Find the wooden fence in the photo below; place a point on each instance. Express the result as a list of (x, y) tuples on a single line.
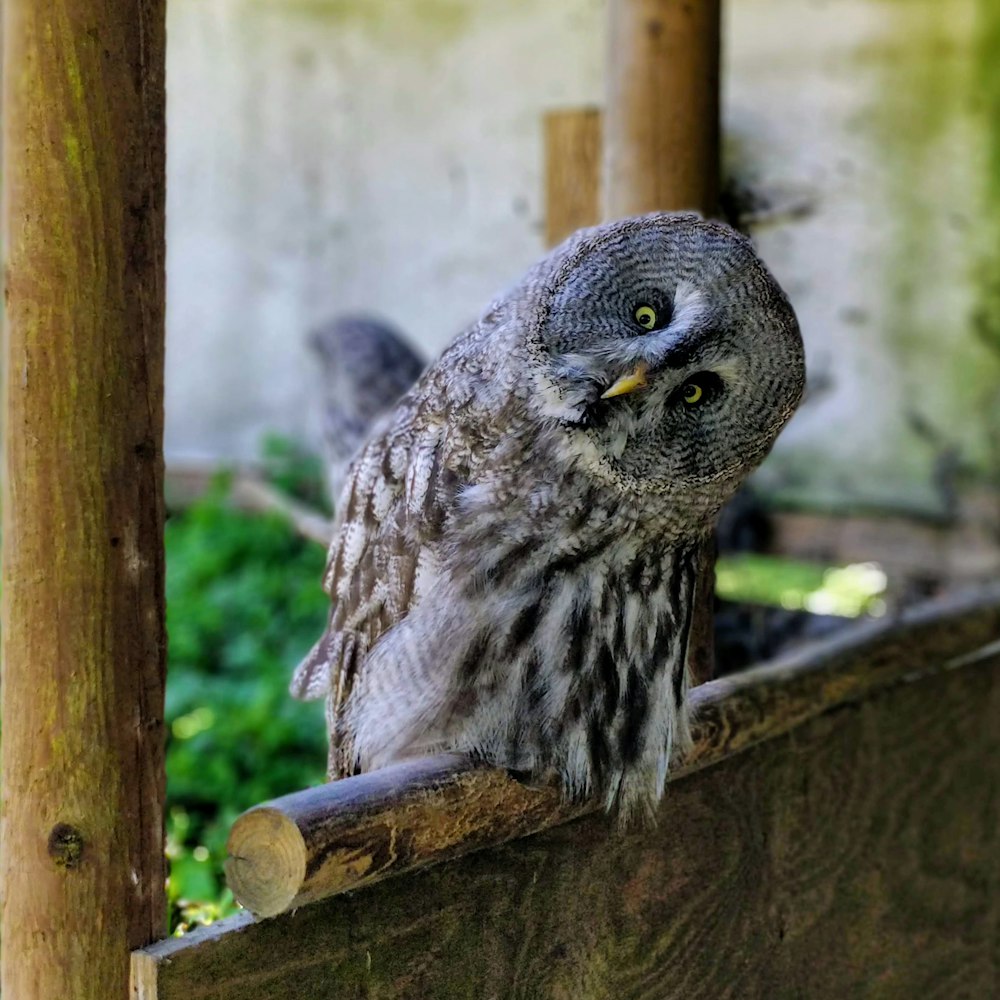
[(836, 833)]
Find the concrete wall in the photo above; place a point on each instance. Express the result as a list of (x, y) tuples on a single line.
[(385, 155)]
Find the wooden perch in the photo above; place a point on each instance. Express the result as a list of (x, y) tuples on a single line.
[(353, 832), (256, 496)]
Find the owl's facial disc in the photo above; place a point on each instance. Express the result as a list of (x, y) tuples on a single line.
[(673, 350)]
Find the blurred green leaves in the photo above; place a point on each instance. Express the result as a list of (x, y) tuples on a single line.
[(244, 604), (847, 591)]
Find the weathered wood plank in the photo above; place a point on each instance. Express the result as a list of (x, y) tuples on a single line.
[(83, 640), (308, 845), (858, 854)]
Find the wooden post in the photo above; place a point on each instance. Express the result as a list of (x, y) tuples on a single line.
[(572, 172), (83, 644), (662, 115), (661, 152)]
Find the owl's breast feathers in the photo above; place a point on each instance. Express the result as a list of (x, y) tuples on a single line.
[(556, 631)]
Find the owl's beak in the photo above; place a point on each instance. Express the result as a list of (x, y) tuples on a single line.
[(628, 383)]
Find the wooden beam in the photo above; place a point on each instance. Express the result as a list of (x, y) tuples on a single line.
[(356, 831), (662, 116), (573, 151), (859, 847), (83, 619)]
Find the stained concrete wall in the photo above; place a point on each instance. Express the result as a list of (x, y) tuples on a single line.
[(385, 155)]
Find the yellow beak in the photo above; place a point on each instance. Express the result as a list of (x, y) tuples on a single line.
[(628, 383)]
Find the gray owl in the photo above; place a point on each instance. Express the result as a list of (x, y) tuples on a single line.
[(366, 366), (514, 555)]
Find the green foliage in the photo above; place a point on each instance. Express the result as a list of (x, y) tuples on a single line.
[(848, 591), (244, 603), (295, 470)]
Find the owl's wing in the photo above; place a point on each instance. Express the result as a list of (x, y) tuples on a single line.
[(398, 495)]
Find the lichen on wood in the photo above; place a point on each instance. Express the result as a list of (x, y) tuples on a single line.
[(83, 638)]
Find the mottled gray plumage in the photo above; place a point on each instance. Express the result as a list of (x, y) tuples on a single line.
[(513, 562), (366, 366)]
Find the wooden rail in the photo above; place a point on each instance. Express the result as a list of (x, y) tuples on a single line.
[(872, 771)]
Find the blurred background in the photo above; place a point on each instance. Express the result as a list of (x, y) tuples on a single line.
[(390, 157), (387, 156)]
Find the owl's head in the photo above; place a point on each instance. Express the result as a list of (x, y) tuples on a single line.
[(665, 345)]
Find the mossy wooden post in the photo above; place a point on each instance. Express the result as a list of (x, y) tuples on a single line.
[(661, 152), (83, 613)]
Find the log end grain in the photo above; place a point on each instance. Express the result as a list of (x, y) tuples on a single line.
[(267, 860)]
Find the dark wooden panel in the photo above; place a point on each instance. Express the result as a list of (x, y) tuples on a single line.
[(854, 856)]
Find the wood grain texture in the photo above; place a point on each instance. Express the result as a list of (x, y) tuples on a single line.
[(661, 128), (356, 831), (348, 833), (857, 855), (83, 627), (573, 155)]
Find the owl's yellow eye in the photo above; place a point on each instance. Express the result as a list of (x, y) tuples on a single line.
[(645, 316), (692, 393)]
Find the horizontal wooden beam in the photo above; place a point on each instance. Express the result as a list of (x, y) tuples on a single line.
[(350, 833), (906, 547)]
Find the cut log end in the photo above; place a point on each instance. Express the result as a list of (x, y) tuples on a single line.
[(267, 861)]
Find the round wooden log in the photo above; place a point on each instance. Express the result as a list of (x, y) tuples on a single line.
[(352, 832), (348, 833), (661, 127), (83, 644)]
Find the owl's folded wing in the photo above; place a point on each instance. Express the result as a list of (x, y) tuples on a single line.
[(399, 492)]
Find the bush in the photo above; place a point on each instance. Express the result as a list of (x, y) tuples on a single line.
[(244, 604)]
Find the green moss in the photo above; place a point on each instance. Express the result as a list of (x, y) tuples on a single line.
[(935, 109), (443, 18), (72, 147), (987, 89)]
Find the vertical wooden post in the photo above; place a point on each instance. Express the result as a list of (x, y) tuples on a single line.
[(572, 172), (662, 115), (661, 151), (83, 644)]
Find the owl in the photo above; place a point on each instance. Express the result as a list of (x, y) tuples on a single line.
[(514, 556), (366, 367)]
